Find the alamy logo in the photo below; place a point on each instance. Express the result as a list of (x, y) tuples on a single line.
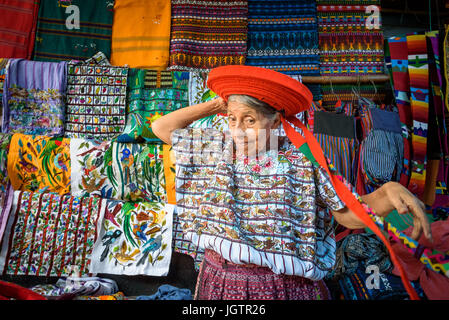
[(373, 20), (373, 280), (73, 20)]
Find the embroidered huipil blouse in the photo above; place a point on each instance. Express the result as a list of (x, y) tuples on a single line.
[(270, 211)]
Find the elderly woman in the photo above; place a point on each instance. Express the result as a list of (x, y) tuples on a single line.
[(258, 205)]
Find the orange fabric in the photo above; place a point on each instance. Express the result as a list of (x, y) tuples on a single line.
[(141, 34), (169, 172), (290, 96)]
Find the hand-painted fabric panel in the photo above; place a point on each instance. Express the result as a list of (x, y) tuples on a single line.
[(50, 235), (135, 239), (39, 163)]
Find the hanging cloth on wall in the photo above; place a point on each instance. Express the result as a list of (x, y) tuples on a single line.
[(418, 70), (96, 100), (73, 30), (18, 28), (39, 163), (207, 34), (141, 34), (50, 235), (34, 97)]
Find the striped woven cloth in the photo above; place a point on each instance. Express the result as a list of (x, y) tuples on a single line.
[(348, 43), (207, 34), (17, 28), (283, 36), (58, 37)]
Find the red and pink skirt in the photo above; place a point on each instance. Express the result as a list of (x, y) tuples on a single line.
[(219, 279)]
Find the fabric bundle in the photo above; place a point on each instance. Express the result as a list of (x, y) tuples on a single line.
[(39, 163), (207, 34), (50, 234), (141, 34), (136, 238), (34, 97), (117, 170), (18, 28), (152, 94), (283, 36), (96, 101), (73, 30)]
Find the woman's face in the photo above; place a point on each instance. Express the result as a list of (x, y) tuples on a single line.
[(250, 129)]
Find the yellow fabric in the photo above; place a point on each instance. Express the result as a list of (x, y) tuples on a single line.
[(39, 162), (141, 33), (169, 172)]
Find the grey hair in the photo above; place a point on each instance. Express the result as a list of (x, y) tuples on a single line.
[(262, 107)]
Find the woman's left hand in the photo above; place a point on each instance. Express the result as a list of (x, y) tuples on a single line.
[(401, 199)]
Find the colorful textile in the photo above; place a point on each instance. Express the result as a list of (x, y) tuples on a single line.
[(3, 70), (169, 172), (135, 239), (18, 28), (388, 287), (199, 93), (117, 170), (50, 235), (207, 34), (348, 43), (34, 97), (39, 163), (12, 291), (418, 70), (266, 212), (73, 30), (141, 34), (401, 82), (96, 101), (116, 296), (6, 191), (152, 94), (221, 280), (283, 36)]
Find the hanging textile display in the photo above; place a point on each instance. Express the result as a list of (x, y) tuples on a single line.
[(141, 34), (152, 94), (401, 83), (283, 36), (207, 34), (117, 170), (6, 191), (135, 239), (50, 235), (39, 163), (349, 44), (34, 97), (73, 30), (418, 70), (18, 28), (96, 101)]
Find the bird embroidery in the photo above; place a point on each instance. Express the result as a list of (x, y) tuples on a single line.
[(111, 215), (108, 239), (122, 257)]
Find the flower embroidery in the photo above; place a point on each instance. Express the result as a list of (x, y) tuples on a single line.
[(287, 155)]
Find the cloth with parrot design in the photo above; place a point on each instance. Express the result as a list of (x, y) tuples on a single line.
[(135, 239), (120, 171), (39, 163), (199, 93), (50, 235), (270, 211), (96, 100), (34, 97), (152, 94)]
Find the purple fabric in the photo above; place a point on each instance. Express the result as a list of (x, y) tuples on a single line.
[(44, 88)]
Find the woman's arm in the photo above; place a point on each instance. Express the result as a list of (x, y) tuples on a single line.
[(390, 196), (181, 118)]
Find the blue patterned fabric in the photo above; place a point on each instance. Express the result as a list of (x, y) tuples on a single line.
[(283, 36)]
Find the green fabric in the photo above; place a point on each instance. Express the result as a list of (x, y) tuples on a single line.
[(55, 42), (147, 101)]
